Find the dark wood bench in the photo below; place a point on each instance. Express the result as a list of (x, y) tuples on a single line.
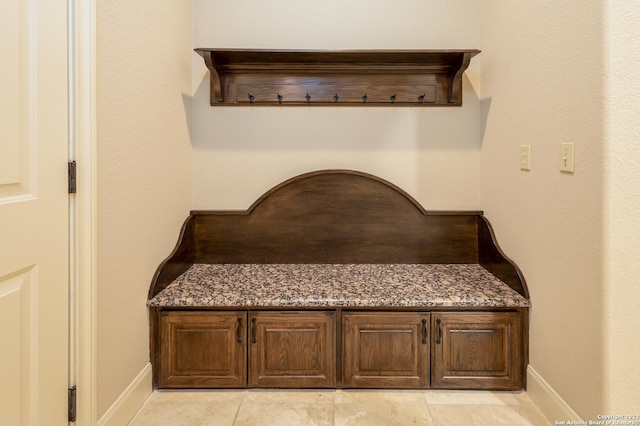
[(338, 279)]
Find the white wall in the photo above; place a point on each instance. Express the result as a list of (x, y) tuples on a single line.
[(546, 79), (622, 208), (144, 171), (432, 153)]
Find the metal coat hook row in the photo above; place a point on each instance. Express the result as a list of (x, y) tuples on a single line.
[(365, 98)]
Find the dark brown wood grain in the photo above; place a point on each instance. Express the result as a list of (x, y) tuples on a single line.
[(201, 349), (292, 349), (493, 259), (182, 257), (477, 350), (347, 77), (337, 216), (386, 349)]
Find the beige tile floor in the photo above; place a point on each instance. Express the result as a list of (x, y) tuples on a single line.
[(338, 407)]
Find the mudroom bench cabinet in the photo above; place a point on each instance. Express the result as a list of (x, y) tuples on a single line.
[(338, 279)]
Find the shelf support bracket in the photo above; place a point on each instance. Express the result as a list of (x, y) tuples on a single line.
[(216, 78), (454, 77)]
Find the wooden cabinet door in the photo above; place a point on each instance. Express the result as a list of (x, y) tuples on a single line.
[(386, 349), (477, 350), (292, 349), (201, 350)]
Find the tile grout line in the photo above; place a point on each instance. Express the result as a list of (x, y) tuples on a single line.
[(235, 417)]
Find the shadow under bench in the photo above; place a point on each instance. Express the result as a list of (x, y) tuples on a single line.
[(338, 279)]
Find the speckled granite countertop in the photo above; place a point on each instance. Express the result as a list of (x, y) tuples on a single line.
[(351, 285)]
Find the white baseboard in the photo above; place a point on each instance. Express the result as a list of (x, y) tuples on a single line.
[(126, 406), (547, 399)]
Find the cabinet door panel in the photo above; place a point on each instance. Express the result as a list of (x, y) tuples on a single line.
[(292, 349), (202, 349), (385, 349), (480, 350)]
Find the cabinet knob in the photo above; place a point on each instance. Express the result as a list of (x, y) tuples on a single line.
[(424, 331), (439, 333)]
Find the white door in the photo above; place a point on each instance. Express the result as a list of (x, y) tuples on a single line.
[(34, 224)]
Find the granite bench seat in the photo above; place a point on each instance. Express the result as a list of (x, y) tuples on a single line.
[(338, 285), (338, 279)]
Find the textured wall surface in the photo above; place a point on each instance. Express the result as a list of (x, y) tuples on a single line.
[(144, 171), (622, 209), (239, 153), (552, 72), (562, 74)]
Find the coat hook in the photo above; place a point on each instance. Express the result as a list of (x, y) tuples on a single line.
[(251, 98), (308, 98), (393, 98), (336, 97), (364, 98), (280, 98), (421, 98)]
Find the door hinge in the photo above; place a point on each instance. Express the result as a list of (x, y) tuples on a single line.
[(72, 177), (72, 404)]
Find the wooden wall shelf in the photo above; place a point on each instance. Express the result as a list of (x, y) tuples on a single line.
[(346, 77)]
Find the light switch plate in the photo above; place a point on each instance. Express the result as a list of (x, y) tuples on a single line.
[(525, 157), (566, 157)]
